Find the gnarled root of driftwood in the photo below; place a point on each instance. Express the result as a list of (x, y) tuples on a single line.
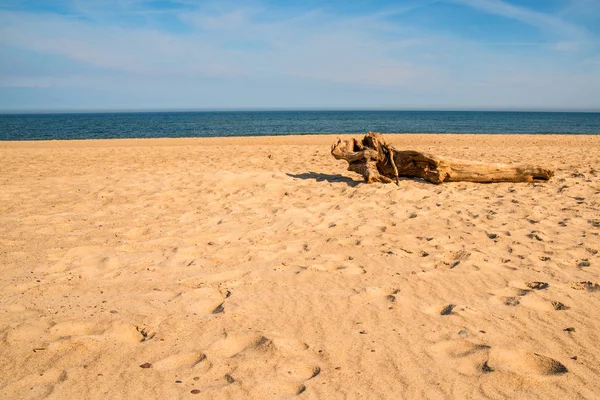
[(377, 161)]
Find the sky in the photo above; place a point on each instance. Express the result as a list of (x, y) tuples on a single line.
[(63, 55)]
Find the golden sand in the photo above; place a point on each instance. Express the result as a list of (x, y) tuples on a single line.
[(259, 268)]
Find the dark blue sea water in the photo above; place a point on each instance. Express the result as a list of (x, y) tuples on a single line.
[(257, 123)]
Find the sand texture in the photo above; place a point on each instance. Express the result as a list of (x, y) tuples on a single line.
[(262, 269)]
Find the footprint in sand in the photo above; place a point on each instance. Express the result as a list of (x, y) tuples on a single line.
[(585, 285), (525, 363), (201, 301), (266, 363), (233, 278), (233, 344), (454, 258), (291, 268), (127, 333), (528, 294), (298, 370), (351, 269), (335, 263), (183, 258), (118, 331), (470, 358), (194, 359), (509, 296), (378, 296), (466, 358), (74, 328), (38, 385), (539, 303), (90, 262)]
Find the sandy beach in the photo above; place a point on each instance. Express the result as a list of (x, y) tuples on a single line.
[(259, 268)]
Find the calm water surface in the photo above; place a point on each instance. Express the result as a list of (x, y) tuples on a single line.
[(258, 123)]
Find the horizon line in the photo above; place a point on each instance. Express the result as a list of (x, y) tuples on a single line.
[(283, 109)]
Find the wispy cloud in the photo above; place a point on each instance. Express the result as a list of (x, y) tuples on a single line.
[(236, 55), (297, 46), (543, 21)]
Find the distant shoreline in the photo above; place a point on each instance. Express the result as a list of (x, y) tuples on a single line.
[(293, 139), (413, 140)]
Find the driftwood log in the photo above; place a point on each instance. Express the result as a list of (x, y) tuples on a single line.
[(378, 161)]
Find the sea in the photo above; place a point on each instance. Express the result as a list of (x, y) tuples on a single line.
[(117, 125)]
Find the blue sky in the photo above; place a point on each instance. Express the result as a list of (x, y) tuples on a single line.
[(413, 54)]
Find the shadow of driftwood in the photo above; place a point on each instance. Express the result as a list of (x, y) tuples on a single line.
[(319, 177)]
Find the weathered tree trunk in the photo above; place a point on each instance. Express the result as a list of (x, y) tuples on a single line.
[(377, 161)]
